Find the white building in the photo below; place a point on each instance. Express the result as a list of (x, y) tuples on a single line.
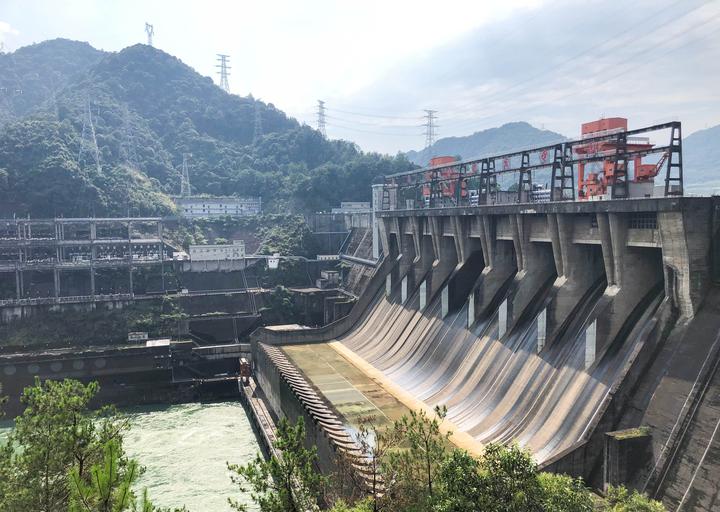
[(207, 207), (215, 252), (352, 207)]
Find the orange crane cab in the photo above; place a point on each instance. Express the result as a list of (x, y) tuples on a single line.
[(595, 184), (441, 160), (447, 176)]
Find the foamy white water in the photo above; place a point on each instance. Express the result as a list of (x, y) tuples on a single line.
[(185, 449)]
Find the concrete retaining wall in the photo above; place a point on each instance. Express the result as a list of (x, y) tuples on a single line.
[(291, 396)]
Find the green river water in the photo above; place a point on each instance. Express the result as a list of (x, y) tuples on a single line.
[(184, 449)]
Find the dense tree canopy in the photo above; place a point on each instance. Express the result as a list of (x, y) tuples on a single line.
[(420, 471), (147, 110)]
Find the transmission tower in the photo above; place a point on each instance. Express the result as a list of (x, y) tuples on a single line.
[(150, 31), (185, 178), (321, 118), (430, 127), (224, 71), (258, 132), (88, 141)]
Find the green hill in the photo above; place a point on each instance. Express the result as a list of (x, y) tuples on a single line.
[(148, 109), (493, 141), (701, 154), (31, 75)]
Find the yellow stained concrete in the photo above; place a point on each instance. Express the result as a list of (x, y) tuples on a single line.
[(347, 388), (460, 439), (356, 389)]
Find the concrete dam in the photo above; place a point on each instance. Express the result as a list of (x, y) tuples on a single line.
[(583, 328)]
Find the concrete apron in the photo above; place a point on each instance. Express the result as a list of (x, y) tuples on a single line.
[(460, 439)]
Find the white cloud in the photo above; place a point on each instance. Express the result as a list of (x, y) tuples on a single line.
[(5, 30), (479, 62), (524, 69)]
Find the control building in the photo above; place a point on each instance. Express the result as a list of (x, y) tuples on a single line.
[(353, 207), (218, 252), (201, 207)]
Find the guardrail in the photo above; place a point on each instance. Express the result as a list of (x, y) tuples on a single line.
[(488, 180), (38, 301)]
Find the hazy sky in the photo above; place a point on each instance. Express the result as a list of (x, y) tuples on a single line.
[(378, 64)]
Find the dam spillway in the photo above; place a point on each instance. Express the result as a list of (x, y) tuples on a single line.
[(531, 323), (547, 323)]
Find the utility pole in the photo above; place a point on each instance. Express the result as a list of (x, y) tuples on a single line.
[(321, 118), (150, 31), (185, 178), (258, 132), (430, 127), (224, 71)]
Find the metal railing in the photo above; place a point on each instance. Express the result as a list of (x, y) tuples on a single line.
[(480, 181)]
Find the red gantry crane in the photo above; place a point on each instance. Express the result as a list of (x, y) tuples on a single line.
[(595, 184)]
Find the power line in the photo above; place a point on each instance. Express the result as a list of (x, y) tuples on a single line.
[(389, 134), (150, 31), (258, 131), (616, 40), (632, 67), (321, 119), (87, 138), (521, 87), (185, 177), (382, 125), (128, 145), (619, 72), (379, 116), (224, 71), (631, 35)]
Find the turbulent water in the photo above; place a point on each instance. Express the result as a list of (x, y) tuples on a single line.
[(184, 449)]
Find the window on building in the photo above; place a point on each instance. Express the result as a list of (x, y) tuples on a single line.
[(643, 220)]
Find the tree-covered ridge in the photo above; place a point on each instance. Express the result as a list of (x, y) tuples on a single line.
[(31, 76), (492, 141), (148, 109)]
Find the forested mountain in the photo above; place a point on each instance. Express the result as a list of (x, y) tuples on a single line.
[(147, 110), (506, 138), (33, 74), (701, 154)]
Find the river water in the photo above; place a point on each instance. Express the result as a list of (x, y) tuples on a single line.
[(184, 449)]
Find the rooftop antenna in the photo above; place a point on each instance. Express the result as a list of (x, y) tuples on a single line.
[(150, 31), (185, 177), (258, 132), (224, 71), (321, 120)]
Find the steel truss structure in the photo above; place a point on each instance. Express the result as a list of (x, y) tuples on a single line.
[(475, 182)]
